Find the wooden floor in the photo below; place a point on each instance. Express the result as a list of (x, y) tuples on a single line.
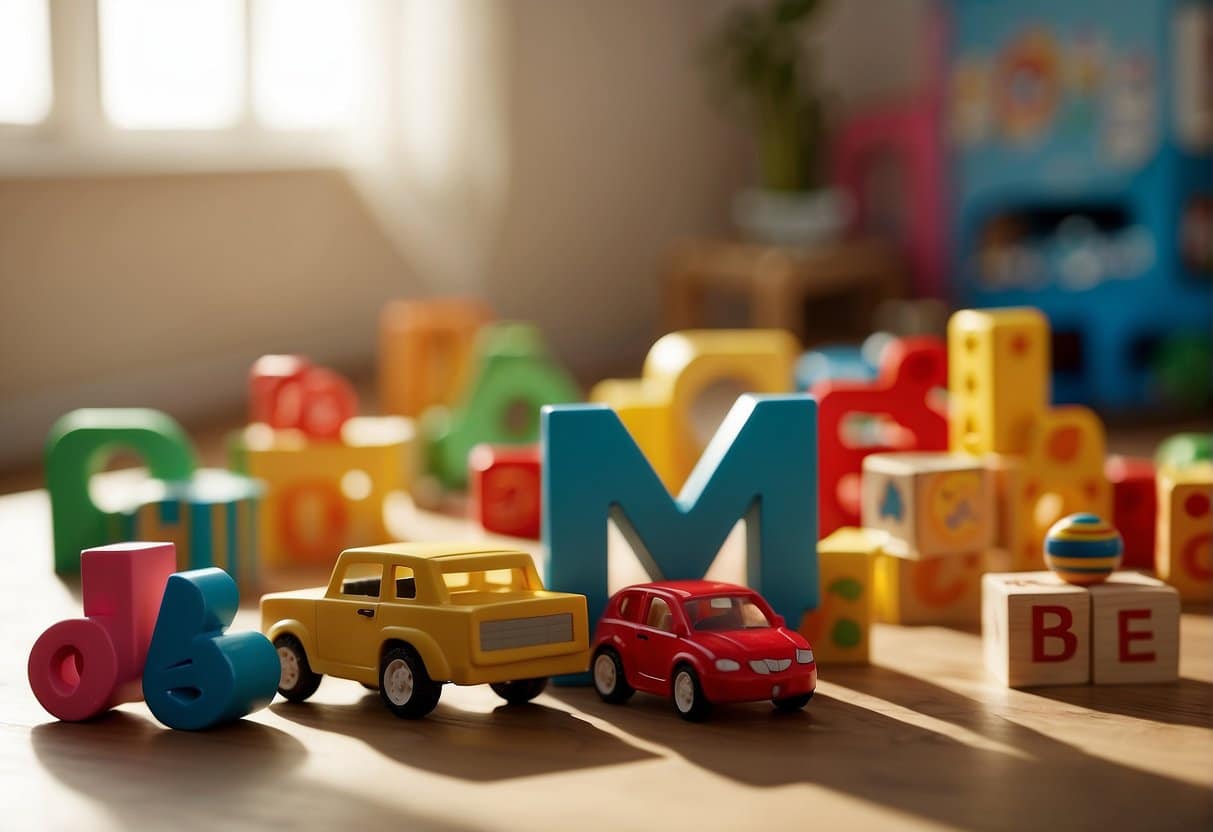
[(921, 739)]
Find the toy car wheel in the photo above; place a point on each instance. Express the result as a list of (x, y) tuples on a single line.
[(792, 703), (609, 678), (297, 681), (520, 691), (687, 695), (405, 686)]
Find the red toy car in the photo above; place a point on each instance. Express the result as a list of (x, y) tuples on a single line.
[(699, 643)]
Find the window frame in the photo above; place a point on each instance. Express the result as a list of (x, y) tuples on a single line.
[(76, 137)]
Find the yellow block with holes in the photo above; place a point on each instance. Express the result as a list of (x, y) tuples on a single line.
[(323, 497), (659, 409), (998, 378), (840, 628), (1184, 551)]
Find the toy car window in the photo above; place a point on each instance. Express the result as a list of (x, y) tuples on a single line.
[(362, 580), (660, 615), (406, 583), (486, 580), (725, 612)]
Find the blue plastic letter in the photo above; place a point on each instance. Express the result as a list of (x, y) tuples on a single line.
[(197, 676), (761, 465)]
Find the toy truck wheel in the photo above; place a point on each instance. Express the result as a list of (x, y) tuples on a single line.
[(297, 681), (520, 691), (687, 695), (404, 684), (609, 679), (792, 703)]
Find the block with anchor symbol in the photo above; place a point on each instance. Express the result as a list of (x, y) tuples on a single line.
[(929, 504)]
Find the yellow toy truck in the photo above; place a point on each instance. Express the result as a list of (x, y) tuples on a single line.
[(405, 618)]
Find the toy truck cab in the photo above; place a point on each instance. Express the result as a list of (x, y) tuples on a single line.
[(406, 618)]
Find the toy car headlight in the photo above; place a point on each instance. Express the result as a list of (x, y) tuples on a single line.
[(727, 664), (804, 656)]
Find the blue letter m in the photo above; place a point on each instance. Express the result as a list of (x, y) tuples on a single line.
[(761, 466)]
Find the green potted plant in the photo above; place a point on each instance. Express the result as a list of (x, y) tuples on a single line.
[(759, 60)]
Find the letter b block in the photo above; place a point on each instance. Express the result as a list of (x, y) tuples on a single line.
[(1036, 629), (196, 674)]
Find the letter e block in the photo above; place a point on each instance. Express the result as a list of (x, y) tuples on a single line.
[(1036, 629), (1134, 630)]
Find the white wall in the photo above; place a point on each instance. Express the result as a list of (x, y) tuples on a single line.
[(159, 290)]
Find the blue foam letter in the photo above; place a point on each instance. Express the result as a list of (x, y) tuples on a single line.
[(197, 676), (760, 465)]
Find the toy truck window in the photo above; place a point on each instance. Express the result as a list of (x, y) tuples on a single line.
[(405, 582), (486, 580), (660, 617), (362, 580)]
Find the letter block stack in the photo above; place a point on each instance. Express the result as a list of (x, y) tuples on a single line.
[(1048, 461), (1038, 630), (936, 511)]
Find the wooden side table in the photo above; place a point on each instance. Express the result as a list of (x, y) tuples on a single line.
[(777, 281)]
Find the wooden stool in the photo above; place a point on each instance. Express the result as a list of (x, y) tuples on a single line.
[(778, 280)]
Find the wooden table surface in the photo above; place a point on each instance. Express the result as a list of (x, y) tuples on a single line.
[(921, 739)]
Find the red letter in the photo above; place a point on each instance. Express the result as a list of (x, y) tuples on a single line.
[(1125, 635), (1060, 630)]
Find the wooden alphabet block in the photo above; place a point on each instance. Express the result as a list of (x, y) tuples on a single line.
[(1134, 507), (513, 376), (902, 406), (322, 497), (1035, 629), (941, 590), (288, 391), (930, 504), (1184, 552), (840, 628), (425, 352), (505, 489), (657, 409), (1134, 630), (211, 518)]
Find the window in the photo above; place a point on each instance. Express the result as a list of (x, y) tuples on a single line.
[(25, 61), (405, 582), (193, 82), (362, 580), (660, 616), (486, 580), (171, 64), (725, 612)]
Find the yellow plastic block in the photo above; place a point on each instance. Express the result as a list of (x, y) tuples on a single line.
[(659, 409), (942, 590), (322, 497), (930, 504), (1061, 474), (425, 351), (840, 629), (998, 378), (1184, 553)]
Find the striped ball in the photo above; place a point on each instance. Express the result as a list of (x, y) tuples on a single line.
[(1082, 549)]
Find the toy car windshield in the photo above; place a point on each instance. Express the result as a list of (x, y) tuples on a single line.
[(725, 612)]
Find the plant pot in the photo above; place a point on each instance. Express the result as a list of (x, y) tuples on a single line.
[(791, 218)]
